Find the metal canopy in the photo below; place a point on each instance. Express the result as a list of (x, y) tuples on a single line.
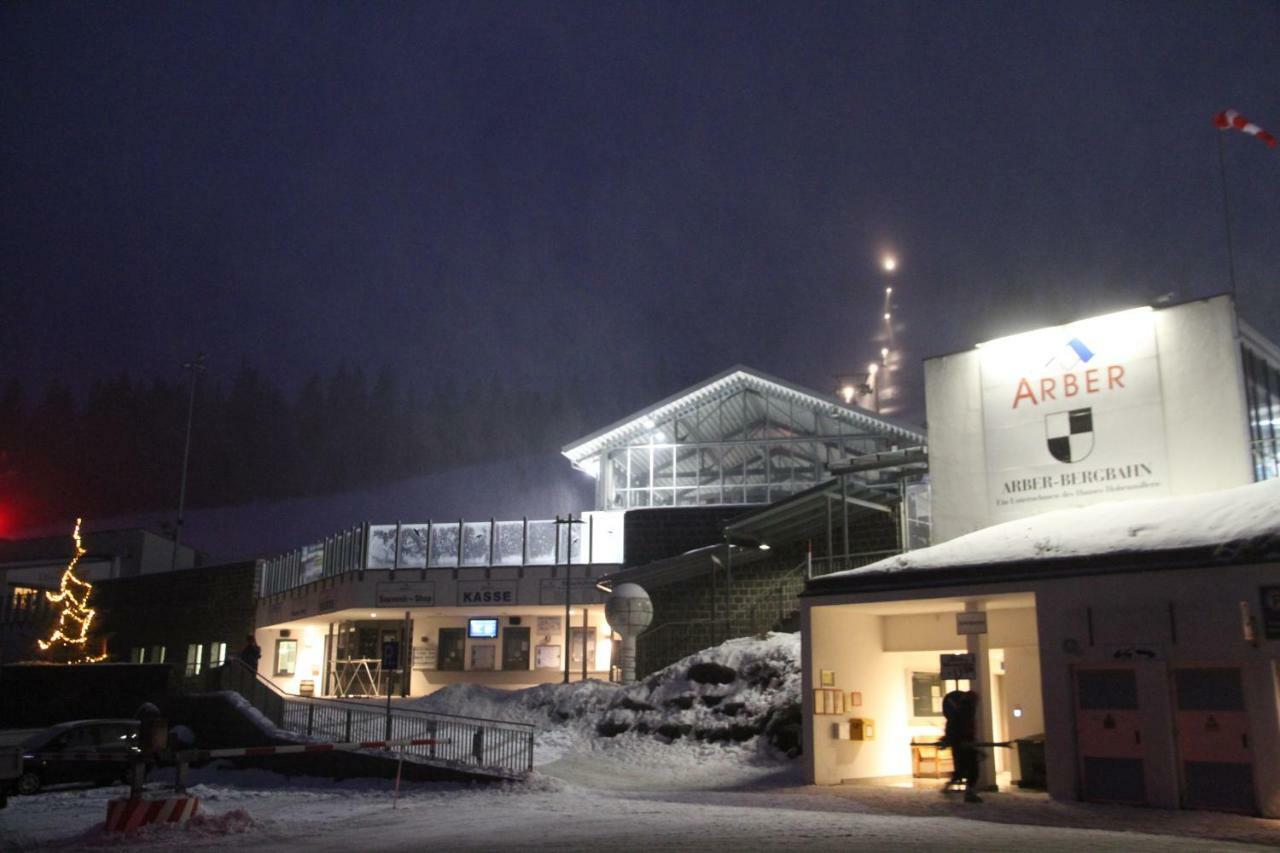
[(805, 516), (691, 564)]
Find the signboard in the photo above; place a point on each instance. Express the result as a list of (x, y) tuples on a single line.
[(581, 591), (424, 657), (1073, 415), (488, 592), (971, 622), (390, 655), (956, 668), (312, 562), (408, 594), (548, 626), (1270, 612)]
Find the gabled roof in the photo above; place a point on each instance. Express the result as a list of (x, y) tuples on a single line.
[(736, 377)]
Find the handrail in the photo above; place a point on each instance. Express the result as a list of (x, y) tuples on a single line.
[(499, 747)]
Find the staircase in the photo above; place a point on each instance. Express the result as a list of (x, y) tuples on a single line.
[(493, 748)]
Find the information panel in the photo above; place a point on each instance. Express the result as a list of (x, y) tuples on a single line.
[(1073, 415)]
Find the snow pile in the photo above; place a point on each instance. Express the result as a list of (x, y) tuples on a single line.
[(734, 692), (1234, 517)]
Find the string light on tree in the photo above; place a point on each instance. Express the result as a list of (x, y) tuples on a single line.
[(72, 631)]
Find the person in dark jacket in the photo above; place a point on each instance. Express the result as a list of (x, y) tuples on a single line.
[(251, 653), (960, 708)]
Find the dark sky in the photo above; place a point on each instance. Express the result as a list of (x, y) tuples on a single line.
[(541, 188)]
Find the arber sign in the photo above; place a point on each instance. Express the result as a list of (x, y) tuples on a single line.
[(1072, 415)]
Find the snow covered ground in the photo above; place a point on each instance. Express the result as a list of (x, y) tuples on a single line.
[(702, 785)]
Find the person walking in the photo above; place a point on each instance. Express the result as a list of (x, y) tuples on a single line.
[(960, 708), (251, 653)]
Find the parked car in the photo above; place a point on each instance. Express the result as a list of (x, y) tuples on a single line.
[(103, 737)]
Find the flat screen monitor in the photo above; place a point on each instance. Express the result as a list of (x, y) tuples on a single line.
[(482, 628)]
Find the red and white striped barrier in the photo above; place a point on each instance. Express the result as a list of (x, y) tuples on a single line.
[(125, 815)]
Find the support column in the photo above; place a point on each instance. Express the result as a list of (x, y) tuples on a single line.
[(979, 645)]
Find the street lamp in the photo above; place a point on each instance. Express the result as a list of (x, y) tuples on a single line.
[(194, 367)]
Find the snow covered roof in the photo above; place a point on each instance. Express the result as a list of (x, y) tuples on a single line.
[(1247, 517), (730, 380)]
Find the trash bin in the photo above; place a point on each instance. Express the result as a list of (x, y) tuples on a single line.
[(1031, 762)]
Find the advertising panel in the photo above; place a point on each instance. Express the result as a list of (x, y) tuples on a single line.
[(1073, 415)]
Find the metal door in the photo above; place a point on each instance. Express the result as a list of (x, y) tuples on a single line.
[(452, 648), (1213, 740), (515, 648), (1109, 735)]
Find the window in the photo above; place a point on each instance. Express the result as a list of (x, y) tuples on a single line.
[(286, 657), (195, 658), (156, 655), (137, 655), (926, 694), (217, 654)]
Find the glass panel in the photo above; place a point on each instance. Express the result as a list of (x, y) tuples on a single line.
[(639, 468), (734, 460), (803, 458), (804, 418), (779, 464), (756, 465), (382, 546), (475, 543), (708, 423), (779, 418), (757, 494), (542, 543), (734, 495), (663, 497), (639, 498), (444, 544), (664, 432), (709, 495), (686, 497), (686, 466), (778, 492), (755, 414), (663, 476), (413, 546), (509, 549), (733, 419), (709, 469)]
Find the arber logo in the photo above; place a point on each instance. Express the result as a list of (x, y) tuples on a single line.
[(1069, 434), (1071, 381)]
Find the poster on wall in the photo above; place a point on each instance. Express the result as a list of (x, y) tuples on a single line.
[(1073, 415), (483, 657), (312, 562), (547, 657), (424, 657), (548, 626)]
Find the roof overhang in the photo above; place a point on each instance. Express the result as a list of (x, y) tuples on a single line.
[(736, 376)]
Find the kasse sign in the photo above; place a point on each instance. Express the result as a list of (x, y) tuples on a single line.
[(1073, 415)]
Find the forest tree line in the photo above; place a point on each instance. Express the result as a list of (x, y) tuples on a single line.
[(117, 447)]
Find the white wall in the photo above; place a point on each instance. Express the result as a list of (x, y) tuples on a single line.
[(1205, 420)]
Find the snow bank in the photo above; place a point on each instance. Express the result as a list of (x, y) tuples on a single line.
[(1246, 513), (734, 692)]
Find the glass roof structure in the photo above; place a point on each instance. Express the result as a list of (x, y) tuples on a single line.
[(741, 437)]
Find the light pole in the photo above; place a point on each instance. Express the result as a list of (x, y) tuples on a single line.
[(568, 588), (194, 367)]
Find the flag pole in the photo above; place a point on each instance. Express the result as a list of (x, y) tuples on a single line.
[(1226, 216)]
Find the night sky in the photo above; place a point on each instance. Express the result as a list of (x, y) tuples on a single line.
[(598, 189)]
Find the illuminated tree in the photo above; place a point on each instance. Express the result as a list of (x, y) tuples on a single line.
[(72, 631)]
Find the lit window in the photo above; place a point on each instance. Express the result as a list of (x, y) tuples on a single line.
[(195, 657), (137, 655), (286, 657), (156, 655), (217, 654)]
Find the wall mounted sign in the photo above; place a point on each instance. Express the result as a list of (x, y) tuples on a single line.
[(1073, 415), (958, 667), (971, 622), (488, 592), (407, 594)]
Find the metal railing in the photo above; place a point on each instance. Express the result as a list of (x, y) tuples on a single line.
[(495, 747), (843, 562)]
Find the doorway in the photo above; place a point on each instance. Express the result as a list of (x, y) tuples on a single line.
[(515, 648), (452, 654), (1109, 735), (1214, 753)]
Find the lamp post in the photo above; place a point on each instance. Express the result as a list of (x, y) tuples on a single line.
[(194, 367), (568, 588)]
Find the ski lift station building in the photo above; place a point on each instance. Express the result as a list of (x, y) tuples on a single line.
[(1105, 573), (518, 602)]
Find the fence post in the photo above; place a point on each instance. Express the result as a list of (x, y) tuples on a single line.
[(347, 739), (311, 715), (529, 763)]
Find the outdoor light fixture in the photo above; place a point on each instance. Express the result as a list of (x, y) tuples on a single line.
[(888, 290), (847, 392), (890, 263), (373, 615), (884, 352), (1017, 710), (763, 546), (886, 315)]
